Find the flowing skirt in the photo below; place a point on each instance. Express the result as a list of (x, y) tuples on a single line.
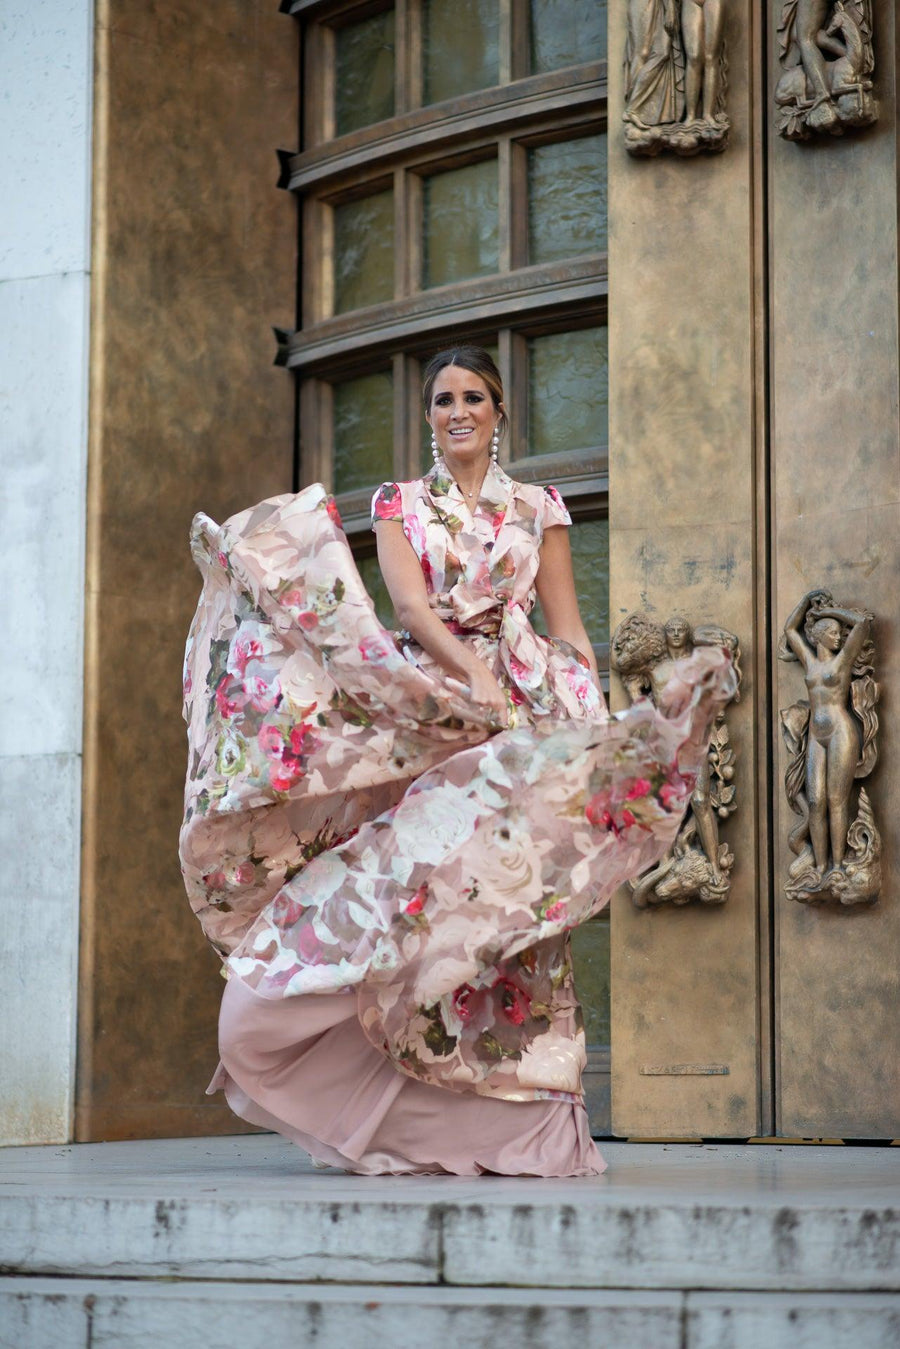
[(303, 1068), (392, 885)]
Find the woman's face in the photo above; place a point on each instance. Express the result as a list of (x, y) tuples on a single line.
[(828, 634), (462, 414)]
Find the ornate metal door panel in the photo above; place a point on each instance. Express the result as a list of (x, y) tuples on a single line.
[(836, 524), (683, 528), (755, 485)]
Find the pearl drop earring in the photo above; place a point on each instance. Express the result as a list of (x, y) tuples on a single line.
[(495, 443), (435, 452)]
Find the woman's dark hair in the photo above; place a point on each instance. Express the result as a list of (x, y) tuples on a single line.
[(474, 359)]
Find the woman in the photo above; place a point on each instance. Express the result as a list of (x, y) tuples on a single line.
[(389, 836), (814, 634)]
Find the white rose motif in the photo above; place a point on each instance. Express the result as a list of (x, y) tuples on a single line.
[(552, 1063), (434, 823)]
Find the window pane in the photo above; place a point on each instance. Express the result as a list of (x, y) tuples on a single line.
[(363, 432), (568, 391), (567, 32), (364, 252), (373, 580), (566, 199), (364, 72), (461, 47), (460, 224), (590, 957), (589, 541)]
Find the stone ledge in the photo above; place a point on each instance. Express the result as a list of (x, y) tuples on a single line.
[(111, 1314), (663, 1217)]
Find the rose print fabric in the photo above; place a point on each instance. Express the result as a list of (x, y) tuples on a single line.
[(352, 826)]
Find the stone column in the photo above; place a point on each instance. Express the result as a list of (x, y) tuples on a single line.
[(45, 130)]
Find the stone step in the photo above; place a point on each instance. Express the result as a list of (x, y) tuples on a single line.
[(121, 1314), (678, 1217)]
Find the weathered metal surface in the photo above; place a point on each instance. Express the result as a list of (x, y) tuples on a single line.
[(193, 254), (835, 485), (683, 500)]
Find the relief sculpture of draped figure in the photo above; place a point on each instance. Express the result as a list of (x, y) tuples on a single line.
[(831, 740), (675, 81), (698, 865)]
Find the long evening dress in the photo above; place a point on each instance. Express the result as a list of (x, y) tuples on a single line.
[(390, 881)]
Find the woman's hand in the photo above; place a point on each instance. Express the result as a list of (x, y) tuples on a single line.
[(484, 691)]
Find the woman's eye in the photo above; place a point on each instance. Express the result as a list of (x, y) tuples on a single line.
[(474, 398)]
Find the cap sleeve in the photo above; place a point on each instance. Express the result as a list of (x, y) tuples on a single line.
[(387, 503), (555, 512)]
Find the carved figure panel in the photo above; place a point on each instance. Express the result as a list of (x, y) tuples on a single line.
[(675, 77), (831, 737), (827, 61), (699, 864)]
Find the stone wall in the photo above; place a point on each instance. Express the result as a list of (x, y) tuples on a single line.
[(45, 131)]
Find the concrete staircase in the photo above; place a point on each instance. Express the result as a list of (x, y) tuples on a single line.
[(237, 1243)]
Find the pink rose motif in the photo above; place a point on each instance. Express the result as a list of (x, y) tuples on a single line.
[(375, 651), (243, 874), (215, 880), (626, 819), (303, 739), (599, 814), (577, 683), (293, 599), (228, 704), (517, 668), (285, 911), (460, 1001), (245, 650), (415, 532), (262, 696), (307, 620), (307, 945), (597, 808), (270, 741), (187, 684), (556, 912), (387, 504), (284, 773), (640, 787), (671, 797), (417, 903), (514, 1001), (334, 514)]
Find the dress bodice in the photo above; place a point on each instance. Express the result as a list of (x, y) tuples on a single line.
[(480, 565)]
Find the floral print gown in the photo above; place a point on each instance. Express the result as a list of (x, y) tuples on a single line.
[(354, 826)]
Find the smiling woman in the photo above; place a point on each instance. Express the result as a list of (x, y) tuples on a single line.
[(390, 836)]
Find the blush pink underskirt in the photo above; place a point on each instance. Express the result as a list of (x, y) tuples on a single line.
[(303, 1067)]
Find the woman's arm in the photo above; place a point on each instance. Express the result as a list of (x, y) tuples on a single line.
[(859, 630), (555, 585), (406, 587), (792, 634)]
